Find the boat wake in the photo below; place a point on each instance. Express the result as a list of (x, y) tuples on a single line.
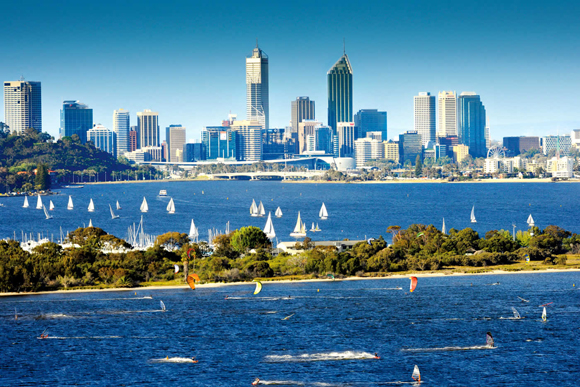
[(326, 356), (172, 360), (79, 337), (52, 315), (473, 348)]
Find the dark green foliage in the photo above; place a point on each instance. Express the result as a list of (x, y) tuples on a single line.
[(42, 180), (247, 238)]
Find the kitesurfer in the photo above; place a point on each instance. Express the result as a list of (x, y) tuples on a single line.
[(193, 360), (256, 382), (226, 296), (377, 356)]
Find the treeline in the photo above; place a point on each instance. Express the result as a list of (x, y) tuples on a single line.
[(96, 258)]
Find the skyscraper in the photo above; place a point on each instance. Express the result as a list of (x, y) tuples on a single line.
[(447, 114), (175, 137), (424, 113), (340, 92), (134, 138), (371, 120), (472, 124), (302, 109), (148, 128), (75, 118), (103, 138), (257, 105), (22, 106), (249, 140), (410, 147), (121, 127), (305, 128), (219, 142), (346, 135)]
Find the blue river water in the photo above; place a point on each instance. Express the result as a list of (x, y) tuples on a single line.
[(123, 339), (355, 210)]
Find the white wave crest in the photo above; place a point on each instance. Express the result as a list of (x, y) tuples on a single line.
[(172, 360)]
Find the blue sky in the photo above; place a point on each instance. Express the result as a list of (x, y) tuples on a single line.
[(186, 59)]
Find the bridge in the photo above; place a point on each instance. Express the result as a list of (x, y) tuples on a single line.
[(267, 175)]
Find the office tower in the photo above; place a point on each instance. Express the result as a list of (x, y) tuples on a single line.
[(175, 137), (424, 113), (164, 155), (575, 138), (391, 150), (23, 106), (447, 114), (518, 145), (367, 149), (323, 139), (302, 109), (122, 126), (460, 152), (560, 144), (449, 143), (340, 92), (346, 134), (440, 151), (274, 144), (257, 105), (487, 137), (305, 128), (103, 138), (133, 139), (193, 152), (371, 120), (410, 147), (249, 140), (219, 142), (75, 118), (152, 153), (472, 123), (148, 128)]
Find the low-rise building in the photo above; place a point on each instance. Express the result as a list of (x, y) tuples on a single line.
[(562, 167), (460, 152)]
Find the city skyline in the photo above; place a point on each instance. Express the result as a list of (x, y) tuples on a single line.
[(506, 56)]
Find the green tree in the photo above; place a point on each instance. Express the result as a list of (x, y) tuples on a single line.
[(42, 180), (247, 238), (172, 240), (418, 166)]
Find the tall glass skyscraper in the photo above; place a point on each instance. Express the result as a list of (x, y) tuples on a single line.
[(22, 106), (257, 99), (219, 142), (340, 92), (121, 127), (472, 123), (75, 118), (371, 120), (302, 109), (103, 138)]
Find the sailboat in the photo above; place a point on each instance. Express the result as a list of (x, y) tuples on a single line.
[(144, 207), (544, 315), (278, 213), (193, 233), (25, 205), (171, 207), (416, 374), (317, 228), (113, 216), (473, 220), (118, 205), (39, 203), (443, 228), (313, 229), (261, 210), (51, 206), (269, 228), (299, 229), (70, 205), (91, 206), (530, 221), (254, 209), (90, 223), (323, 214), (46, 213)]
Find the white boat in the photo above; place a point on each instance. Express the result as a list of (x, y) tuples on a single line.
[(443, 228), (163, 193), (317, 228), (70, 205), (90, 223), (26, 205), (254, 209), (118, 205), (544, 315), (278, 213), (113, 216), (39, 203), (171, 207), (193, 232), (91, 206), (261, 210), (530, 221), (299, 229), (51, 206), (269, 228), (313, 229), (473, 220), (46, 213), (144, 207), (323, 214)]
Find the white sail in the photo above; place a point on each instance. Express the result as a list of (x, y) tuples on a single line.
[(278, 213), (443, 228), (91, 206), (323, 214), (162, 306), (70, 205), (530, 221), (299, 229), (46, 213), (269, 228), (516, 313), (39, 203), (118, 205), (193, 233), (90, 223), (261, 210), (171, 207), (544, 315), (416, 374), (26, 205), (113, 216), (313, 229), (144, 207), (51, 206), (473, 220), (254, 209), (317, 228)]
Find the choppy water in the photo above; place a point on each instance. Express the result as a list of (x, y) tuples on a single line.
[(119, 338), (356, 210)]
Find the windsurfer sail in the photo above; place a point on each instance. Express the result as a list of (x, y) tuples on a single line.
[(176, 269), (258, 287), (416, 374), (544, 315), (287, 317), (489, 340), (163, 306), (523, 299), (516, 314)]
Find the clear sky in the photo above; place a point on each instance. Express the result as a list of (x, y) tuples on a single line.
[(186, 59)]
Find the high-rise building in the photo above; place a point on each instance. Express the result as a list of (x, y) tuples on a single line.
[(133, 138), (273, 144), (472, 123), (449, 143), (487, 137), (560, 144), (367, 149), (305, 128), (391, 150), (424, 114), (75, 118), (257, 100), (302, 109), (323, 139), (219, 142), (122, 126), (22, 106), (148, 128), (375, 135), (460, 152), (371, 120), (175, 137), (340, 92), (518, 145), (193, 152), (575, 137), (103, 138), (447, 114), (346, 136), (410, 147), (249, 140)]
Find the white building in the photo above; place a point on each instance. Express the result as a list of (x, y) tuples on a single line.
[(148, 128), (103, 138), (138, 156), (306, 128), (424, 113), (505, 165), (22, 106), (447, 111), (561, 167), (153, 153), (367, 149), (575, 137), (249, 140), (257, 100), (558, 143), (121, 127)]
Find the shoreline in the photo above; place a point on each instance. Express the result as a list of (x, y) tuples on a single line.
[(226, 284)]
